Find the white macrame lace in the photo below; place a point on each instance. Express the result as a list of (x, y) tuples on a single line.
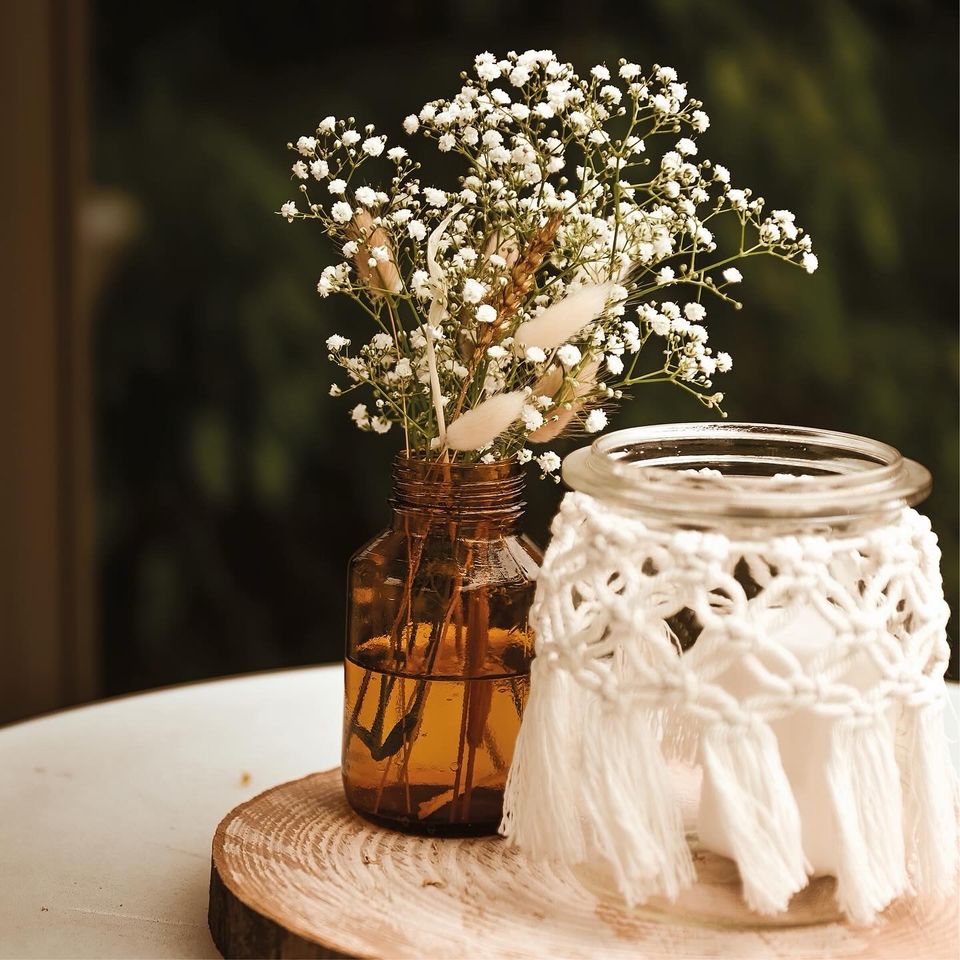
[(842, 636)]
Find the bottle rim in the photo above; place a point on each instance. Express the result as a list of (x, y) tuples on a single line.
[(749, 471), (458, 491)]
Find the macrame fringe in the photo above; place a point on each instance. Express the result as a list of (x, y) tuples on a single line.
[(929, 800), (680, 734), (758, 811), (540, 812), (864, 785), (633, 817)]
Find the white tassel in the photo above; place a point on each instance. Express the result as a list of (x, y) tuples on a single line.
[(757, 810), (864, 785), (929, 800), (557, 324), (540, 811), (486, 421), (632, 814), (680, 734)]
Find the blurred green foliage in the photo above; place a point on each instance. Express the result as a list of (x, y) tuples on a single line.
[(232, 489)]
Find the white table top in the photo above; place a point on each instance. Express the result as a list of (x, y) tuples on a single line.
[(107, 812)]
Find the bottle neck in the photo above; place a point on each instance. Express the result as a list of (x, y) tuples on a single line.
[(477, 496)]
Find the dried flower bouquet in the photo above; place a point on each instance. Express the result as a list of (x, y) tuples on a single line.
[(572, 262)]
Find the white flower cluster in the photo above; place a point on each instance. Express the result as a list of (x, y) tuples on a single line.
[(552, 273)]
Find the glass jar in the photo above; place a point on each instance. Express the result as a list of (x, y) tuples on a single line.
[(762, 602), (439, 649)]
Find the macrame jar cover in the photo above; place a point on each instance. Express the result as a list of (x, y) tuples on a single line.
[(761, 601)]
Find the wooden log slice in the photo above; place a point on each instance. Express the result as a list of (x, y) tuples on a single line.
[(297, 874)]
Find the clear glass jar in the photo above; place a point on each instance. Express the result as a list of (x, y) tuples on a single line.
[(439, 649), (759, 602)]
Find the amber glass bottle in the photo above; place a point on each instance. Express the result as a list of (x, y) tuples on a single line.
[(439, 649)]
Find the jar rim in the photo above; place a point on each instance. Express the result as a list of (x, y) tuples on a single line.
[(750, 471)]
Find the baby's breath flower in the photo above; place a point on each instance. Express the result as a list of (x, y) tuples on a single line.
[(769, 232), (289, 210), (486, 67), (700, 121), (611, 93), (473, 291), (732, 275), (337, 187), (373, 146), (660, 325), (549, 462), (336, 343), (421, 283), (595, 422), (810, 262), (662, 104), (569, 355), (532, 417), (737, 199), (341, 212)]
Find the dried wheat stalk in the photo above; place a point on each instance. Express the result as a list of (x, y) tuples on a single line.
[(521, 280)]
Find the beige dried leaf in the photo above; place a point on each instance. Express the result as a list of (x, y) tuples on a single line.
[(485, 422), (560, 420), (549, 383), (384, 277)]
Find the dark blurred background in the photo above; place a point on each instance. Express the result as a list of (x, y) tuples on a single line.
[(228, 488)]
